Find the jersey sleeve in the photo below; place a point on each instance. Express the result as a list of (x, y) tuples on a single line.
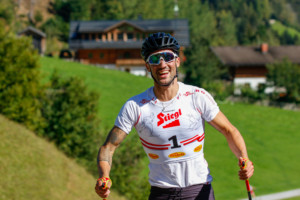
[(206, 105), (127, 116)]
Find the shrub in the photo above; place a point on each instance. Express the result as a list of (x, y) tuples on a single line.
[(20, 90), (70, 111), (285, 74), (220, 90), (252, 95)]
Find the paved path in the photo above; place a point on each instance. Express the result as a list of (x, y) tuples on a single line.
[(279, 196)]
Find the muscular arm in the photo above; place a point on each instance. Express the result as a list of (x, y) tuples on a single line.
[(106, 151), (235, 142), (232, 135)]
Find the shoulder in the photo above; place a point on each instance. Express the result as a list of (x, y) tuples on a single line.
[(141, 99), (199, 93), (191, 89)]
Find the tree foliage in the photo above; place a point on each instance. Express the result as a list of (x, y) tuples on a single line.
[(70, 112), (20, 90), (285, 74)]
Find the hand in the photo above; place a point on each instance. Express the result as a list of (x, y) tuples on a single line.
[(247, 170), (102, 187)]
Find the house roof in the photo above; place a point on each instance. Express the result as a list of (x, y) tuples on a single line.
[(178, 26), (253, 55), (31, 29)]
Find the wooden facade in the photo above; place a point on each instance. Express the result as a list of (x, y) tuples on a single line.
[(107, 56), (119, 43), (259, 71), (248, 64)]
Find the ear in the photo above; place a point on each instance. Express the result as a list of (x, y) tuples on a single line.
[(148, 67), (178, 62)]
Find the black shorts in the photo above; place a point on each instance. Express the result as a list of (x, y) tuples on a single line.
[(194, 192)]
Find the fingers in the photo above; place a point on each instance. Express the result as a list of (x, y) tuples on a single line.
[(102, 191), (247, 170)]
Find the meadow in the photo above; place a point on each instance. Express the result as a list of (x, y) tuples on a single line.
[(271, 134), (32, 168)]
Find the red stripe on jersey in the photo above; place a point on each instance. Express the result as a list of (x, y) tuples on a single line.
[(193, 139), (164, 148), (158, 145), (189, 139), (137, 120)]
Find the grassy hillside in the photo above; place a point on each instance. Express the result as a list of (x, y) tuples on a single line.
[(280, 29), (115, 87), (31, 168), (271, 134)]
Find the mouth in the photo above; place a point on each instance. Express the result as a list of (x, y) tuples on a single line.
[(163, 73)]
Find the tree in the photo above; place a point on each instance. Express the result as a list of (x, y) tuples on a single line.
[(201, 65), (20, 89), (70, 111), (285, 74)]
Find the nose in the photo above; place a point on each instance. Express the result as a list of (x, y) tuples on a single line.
[(162, 62)]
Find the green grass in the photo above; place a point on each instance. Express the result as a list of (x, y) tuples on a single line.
[(32, 168), (271, 134), (280, 29), (115, 87)]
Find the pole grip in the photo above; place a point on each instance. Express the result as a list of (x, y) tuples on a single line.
[(243, 165)]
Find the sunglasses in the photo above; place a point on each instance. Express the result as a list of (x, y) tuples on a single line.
[(155, 58)]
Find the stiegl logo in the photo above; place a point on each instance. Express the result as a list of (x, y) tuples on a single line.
[(162, 118)]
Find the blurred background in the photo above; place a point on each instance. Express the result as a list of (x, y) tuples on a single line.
[(68, 66)]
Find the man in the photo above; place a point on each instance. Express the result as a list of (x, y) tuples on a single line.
[(169, 118)]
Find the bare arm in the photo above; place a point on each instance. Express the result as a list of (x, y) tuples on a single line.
[(104, 159), (106, 151), (235, 142), (231, 133)]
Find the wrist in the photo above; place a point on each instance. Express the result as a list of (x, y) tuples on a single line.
[(105, 181), (243, 162)]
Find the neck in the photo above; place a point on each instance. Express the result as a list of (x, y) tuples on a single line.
[(166, 93)]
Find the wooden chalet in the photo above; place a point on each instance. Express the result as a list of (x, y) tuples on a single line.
[(117, 43), (38, 38), (247, 64)]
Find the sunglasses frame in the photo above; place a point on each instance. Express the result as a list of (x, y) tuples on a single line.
[(161, 57)]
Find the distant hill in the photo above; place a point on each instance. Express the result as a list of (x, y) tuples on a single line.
[(31, 7), (32, 168)]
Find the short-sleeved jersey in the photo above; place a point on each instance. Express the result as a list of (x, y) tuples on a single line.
[(172, 134)]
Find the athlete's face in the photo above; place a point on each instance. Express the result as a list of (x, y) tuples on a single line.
[(165, 71)]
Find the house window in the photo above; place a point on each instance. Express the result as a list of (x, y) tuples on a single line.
[(127, 54), (86, 36), (120, 37), (90, 55), (100, 36), (93, 36), (129, 36), (138, 36), (101, 55)]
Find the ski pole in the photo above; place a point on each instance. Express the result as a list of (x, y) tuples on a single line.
[(246, 181), (104, 186)]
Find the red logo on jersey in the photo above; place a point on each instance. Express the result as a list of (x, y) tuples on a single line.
[(168, 117), (188, 93)]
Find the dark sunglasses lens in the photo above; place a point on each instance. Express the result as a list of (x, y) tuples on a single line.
[(154, 59), (168, 56)]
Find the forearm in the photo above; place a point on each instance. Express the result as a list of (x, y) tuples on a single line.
[(104, 161), (236, 143), (105, 154), (232, 135)]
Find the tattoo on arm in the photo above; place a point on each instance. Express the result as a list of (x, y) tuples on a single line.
[(115, 137)]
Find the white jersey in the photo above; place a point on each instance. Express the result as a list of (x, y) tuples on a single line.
[(172, 134)]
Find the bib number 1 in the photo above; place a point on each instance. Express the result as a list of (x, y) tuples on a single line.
[(175, 142)]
